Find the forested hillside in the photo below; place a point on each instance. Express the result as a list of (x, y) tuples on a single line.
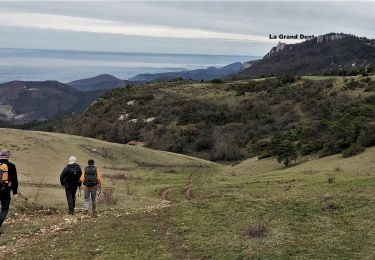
[(27, 101), (234, 120)]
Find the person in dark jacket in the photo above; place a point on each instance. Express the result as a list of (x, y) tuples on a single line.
[(70, 179), (9, 183)]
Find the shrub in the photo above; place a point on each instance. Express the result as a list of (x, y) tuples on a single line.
[(331, 179), (203, 143), (370, 87), (333, 147), (338, 169), (287, 79), (331, 206), (367, 137), (310, 147), (217, 81), (354, 149), (108, 197), (260, 148), (259, 230)]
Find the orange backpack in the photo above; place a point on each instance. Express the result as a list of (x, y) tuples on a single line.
[(4, 178)]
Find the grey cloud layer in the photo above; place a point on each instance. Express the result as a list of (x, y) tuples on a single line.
[(246, 18)]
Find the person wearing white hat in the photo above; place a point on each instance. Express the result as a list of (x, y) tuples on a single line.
[(70, 180), (8, 184)]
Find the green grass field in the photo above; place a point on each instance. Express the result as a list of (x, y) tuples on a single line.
[(172, 206)]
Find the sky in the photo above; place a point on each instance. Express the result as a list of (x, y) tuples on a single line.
[(193, 27)]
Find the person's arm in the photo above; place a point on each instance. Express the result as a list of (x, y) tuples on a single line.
[(82, 178), (62, 177), (13, 178), (80, 181), (99, 179)]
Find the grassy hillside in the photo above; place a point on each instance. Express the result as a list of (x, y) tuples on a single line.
[(177, 207), (40, 158), (234, 120)]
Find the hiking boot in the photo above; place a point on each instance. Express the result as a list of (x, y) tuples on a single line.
[(71, 212), (94, 214)]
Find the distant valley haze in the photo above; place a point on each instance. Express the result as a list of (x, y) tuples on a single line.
[(68, 65)]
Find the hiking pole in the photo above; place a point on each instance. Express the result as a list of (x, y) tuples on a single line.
[(100, 192)]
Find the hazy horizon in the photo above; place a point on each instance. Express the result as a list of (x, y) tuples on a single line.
[(225, 28), (68, 65)]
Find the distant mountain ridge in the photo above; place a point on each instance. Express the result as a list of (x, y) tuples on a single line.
[(198, 74), (100, 82), (26, 101), (106, 81), (333, 51), (22, 102)]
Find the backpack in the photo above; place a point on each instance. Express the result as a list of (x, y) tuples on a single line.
[(4, 181), (73, 176), (91, 179)]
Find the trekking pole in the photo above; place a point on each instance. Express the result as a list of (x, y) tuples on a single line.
[(100, 192)]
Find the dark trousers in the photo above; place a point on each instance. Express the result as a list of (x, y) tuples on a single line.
[(71, 197), (5, 202)]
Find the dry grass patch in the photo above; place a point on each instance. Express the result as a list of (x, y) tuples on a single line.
[(259, 230), (108, 197), (121, 176)]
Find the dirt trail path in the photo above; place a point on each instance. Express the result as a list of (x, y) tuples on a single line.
[(164, 194), (68, 222), (189, 188), (47, 232), (67, 225)]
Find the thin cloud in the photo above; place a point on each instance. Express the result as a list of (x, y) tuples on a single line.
[(80, 24)]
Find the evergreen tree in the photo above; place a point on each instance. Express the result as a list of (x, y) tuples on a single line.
[(286, 152)]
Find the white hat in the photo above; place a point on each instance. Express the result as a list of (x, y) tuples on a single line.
[(4, 154), (72, 159)]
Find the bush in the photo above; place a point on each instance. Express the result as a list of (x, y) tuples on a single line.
[(310, 147), (217, 81), (108, 197), (370, 86), (260, 148), (286, 79), (258, 230), (354, 149), (367, 138), (331, 179)]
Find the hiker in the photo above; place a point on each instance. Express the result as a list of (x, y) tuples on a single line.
[(70, 179), (92, 181), (8, 183)]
